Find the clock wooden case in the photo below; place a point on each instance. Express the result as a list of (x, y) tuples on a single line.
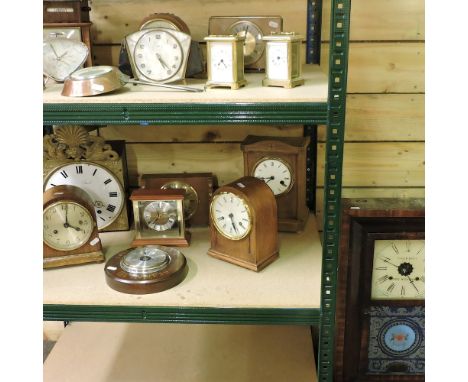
[(199, 190), (73, 156), (65, 11), (159, 217), (243, 224), (380, 301), (69, 228), (282, 163)]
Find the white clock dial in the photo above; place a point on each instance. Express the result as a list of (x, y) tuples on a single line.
[(398, 270), (62, 56), (101, 185), (221, 62), (277, 61), (66, 225), (275, 173), (253, 44), (160, 215), (231, 215), (158, 55)]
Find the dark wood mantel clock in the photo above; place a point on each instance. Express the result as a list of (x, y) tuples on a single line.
[(381, 291)]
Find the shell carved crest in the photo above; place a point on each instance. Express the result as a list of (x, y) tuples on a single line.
[(74, 142)]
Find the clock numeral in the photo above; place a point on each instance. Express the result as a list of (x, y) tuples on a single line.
[(94, 172), (107, 181), (113, 194), (381, 268), (53, 185), (395, 248), (110, 208), (391, 287), (382, 279), (403, 291), (79, 169), (64, 174), (100, 217)]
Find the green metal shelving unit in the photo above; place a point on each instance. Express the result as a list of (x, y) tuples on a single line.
[(331, 113)]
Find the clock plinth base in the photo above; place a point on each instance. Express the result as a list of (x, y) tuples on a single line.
[(81, 258), (288, 84), (292, 225), (231, 85), (245, 264), (169, 241)]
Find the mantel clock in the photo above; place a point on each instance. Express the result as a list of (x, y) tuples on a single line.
[(381, 291), (72, 156)]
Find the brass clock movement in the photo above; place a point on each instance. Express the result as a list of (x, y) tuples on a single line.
[(283, 60), (159, 217), (148, 269), (225, 61), (252, 29), (380, 305), (72, 156), (243, 224), (281, 163), (70, 234), (198, 189)]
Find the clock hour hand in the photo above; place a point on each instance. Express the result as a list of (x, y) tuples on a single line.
[(161, 61), (53, 50), (232, 222)]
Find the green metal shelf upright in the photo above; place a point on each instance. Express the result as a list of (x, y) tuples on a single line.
[(331, 113)]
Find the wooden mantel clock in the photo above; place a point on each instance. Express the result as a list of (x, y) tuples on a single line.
[(381, 291), (72, 156), (281, 163), (243, 224), (70, 234)]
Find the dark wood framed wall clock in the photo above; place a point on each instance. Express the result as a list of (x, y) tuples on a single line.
[(74, 157), (381, 291)]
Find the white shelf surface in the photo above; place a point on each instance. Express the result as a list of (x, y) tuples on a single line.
[(315, 89), (292, 281), (121, 352)]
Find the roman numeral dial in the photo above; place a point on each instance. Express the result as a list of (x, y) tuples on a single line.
[(102, 186), (276, 173), (398, 271), (231, 215)]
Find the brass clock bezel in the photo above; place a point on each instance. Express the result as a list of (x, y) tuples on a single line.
[(91, 219), (263, 159), (188, 189), (259, 44), (247, 208)]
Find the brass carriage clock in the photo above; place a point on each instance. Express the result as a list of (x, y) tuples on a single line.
[(283, 60), (225, 61), (381, 291), (281, 163), (73, 156)]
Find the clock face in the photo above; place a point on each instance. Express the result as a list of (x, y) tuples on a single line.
[(221, 62), (158, 55), (62, 56), (277, 61), (276, 173), (160, 215), (398, 271), (190, 198), (253, 45), (231, 215), (101, 185), (66, 225)]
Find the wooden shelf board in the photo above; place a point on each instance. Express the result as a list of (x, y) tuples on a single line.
[(314, 90), (292, 281), (104, 352)]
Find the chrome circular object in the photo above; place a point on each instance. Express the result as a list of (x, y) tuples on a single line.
[(145, 260)]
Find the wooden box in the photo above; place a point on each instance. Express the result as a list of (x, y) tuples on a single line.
[(66, 11)]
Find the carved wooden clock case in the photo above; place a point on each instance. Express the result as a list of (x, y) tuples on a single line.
[(380, 301)]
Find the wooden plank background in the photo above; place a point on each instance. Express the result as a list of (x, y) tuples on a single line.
[(384, 138)]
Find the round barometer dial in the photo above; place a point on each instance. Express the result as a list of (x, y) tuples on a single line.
[(253, 45), (67, 225), (158, 55), (231, 215), (276, 173)]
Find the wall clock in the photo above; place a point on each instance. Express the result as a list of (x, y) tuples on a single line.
[(381, 291), (198, 189), (72, 156), (283, 60), (148, 269), (159, 217), (70, 234), (243, 224), (281, 163), (252, 29), (225, 61)]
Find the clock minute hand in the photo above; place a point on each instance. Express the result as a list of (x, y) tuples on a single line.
[(232, 222), (161, 61)]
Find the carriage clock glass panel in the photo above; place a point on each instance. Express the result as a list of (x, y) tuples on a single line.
[(221, 65), (398, 270), (62, 56), (71, 33), (103, 187)]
